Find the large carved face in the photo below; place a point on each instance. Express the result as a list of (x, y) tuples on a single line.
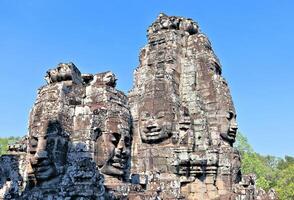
[(184, 136), (156, 120), (113, 146), (48, 153), (228, 128), (236, 166)]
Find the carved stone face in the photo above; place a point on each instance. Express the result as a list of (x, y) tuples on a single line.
[(236, 167), (156, 120), (113, 147), (184, 135), (48, 153), (228, 128)]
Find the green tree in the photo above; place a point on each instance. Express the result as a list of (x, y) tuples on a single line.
[(285, 183), (4, 142), (271, 172), (242, 144), (264, 167), (284, 163)]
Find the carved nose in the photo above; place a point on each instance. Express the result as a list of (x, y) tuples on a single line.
[(38, 157), (120, 145), (126, 151), (41, 155), (117, 151), (121, 150), (234, 127)]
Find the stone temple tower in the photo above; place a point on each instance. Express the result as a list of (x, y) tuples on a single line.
[(184, 120), (170, 138)]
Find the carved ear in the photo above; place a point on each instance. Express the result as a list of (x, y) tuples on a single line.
[(101, 152)]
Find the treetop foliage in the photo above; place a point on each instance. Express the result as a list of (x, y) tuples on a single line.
[(271, 171)]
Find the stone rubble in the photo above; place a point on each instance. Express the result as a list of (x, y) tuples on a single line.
[(171, 138)]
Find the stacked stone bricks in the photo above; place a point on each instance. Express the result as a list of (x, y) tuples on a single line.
[(171, 138)]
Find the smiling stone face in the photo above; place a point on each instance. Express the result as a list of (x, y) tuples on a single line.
[(47, 153), (229, 127), (156, 120), (226, 114), (113, 145)]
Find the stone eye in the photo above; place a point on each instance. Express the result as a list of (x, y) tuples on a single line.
[(145, 116), (211, 68), (33, 144), (230, 115), (115, 138), (127, 141), (160, 115)]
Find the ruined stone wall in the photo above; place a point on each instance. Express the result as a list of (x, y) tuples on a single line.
[(170, 138)]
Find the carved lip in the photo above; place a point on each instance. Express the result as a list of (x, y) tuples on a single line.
[(43, 165), (232, 133), (118, 165), (43, 168), (119, 162), (152, 133), (184, 127), (44, 172)]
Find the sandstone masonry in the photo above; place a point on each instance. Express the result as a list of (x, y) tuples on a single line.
[(170, 138)]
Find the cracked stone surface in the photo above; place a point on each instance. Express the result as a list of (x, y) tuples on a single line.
[(170, 138)]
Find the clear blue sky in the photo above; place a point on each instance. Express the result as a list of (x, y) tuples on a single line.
[(253, 39)]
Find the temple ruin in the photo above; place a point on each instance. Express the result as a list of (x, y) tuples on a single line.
[(172, 137)]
